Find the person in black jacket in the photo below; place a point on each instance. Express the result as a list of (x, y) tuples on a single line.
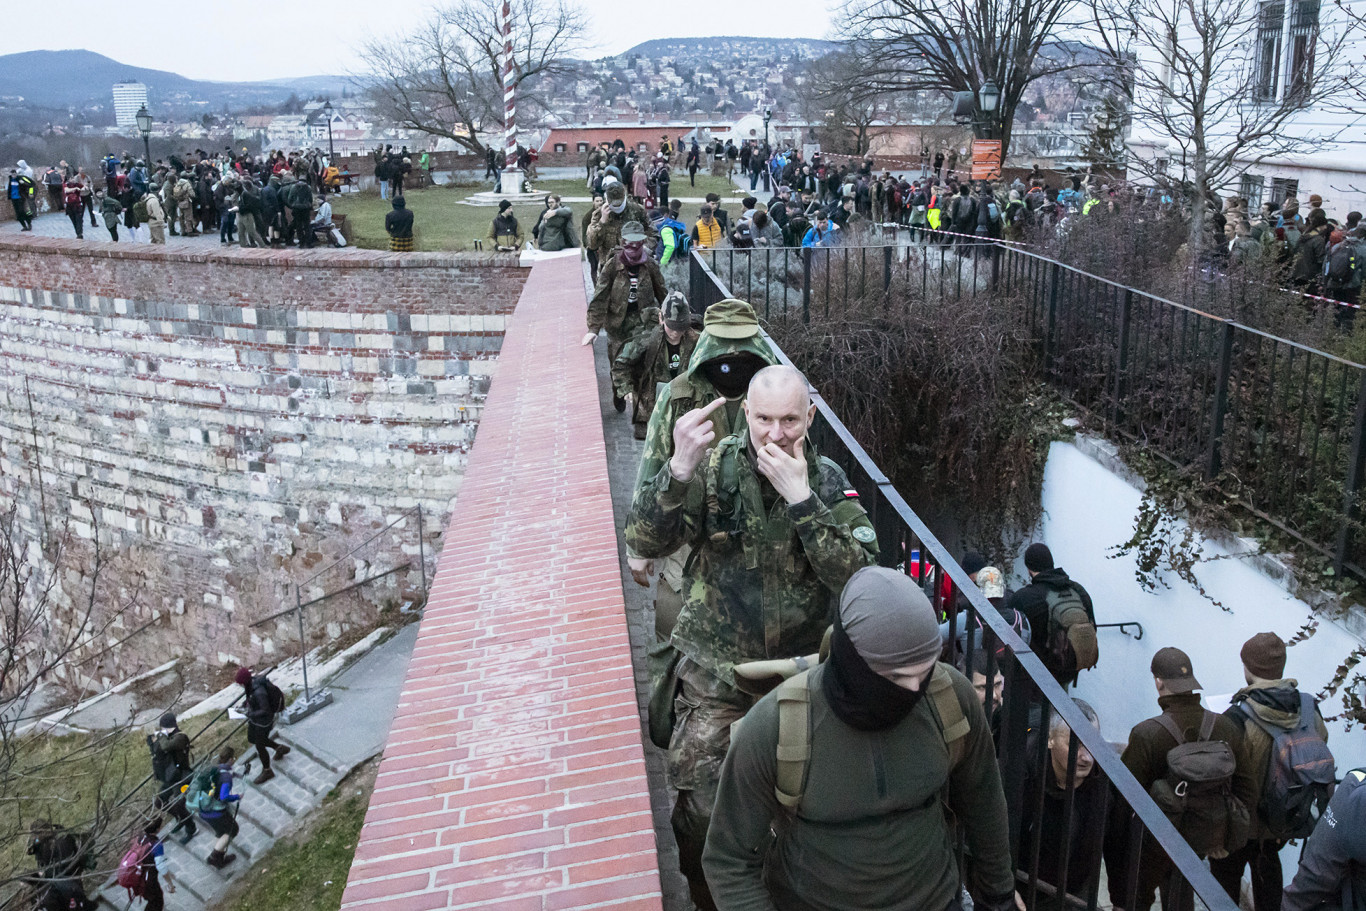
[(172, 767), (1032, 600), (399, 224), (262, 702)]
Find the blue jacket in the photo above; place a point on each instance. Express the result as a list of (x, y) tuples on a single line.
[(224, 793), (815, 238)]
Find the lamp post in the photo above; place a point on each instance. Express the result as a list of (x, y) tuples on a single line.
[(327, 112), (144, 118), (768, 115), (988, 100)]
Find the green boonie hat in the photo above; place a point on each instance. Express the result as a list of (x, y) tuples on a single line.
[(730, 318), (677, 313)]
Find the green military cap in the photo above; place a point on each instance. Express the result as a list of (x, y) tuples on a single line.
[(633, 232), (677, 313), (731, 318)]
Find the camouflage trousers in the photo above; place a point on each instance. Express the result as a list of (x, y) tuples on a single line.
[(705, 707)]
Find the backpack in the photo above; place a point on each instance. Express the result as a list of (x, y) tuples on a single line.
[(794, 730), (1342, 263), (682, 240), (140, 211), (274, 695), (742, 238), (1197, 792), (132, 874), (72, 195), (201, 796), (1071, 646), (993, 213), (1299, 777), (165, 766)]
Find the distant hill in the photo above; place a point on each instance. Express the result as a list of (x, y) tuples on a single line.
[(77, 77), (725, 44)]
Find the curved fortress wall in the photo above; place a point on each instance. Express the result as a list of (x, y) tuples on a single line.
[(225, 425)]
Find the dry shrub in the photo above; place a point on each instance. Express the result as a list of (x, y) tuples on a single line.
[(942, 394)]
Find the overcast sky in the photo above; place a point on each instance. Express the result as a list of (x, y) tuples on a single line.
[(252, 40)]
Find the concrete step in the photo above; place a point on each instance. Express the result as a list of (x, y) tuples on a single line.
[(336, 766)]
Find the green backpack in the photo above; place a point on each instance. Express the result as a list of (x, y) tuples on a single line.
[(202, 794), (1071, 646)]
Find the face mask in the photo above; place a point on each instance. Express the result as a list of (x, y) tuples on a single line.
[(730, 375), (617, 207)]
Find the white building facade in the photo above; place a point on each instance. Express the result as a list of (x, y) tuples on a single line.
[(1283, 48), (128, 98)]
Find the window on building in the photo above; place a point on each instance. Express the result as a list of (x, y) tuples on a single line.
[(1283, 188), (642, 147), (1270, 23), (1251, 190), (1304, 32), (564, 147), (583, 147)]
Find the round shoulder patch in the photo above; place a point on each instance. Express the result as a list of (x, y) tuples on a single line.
[(864, 535)]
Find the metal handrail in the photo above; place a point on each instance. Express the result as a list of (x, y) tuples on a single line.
[(1146, 811)]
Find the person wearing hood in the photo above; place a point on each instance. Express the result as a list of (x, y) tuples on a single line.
[(655, 358), (727, 355), (605, 225), (172, 768), (554, 229), (776, 531), (1032, 602), (1269, 702), (399, 224), (505, 233), (869, 831), (629, 283)]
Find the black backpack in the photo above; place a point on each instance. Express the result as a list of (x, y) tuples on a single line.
[(1299, 776), (166, 766), (1197, 792)]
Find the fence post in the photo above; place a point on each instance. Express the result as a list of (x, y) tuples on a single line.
[(1214, 462), (1055, 280), (1122, 361), (1356, 463), (886, 271), (694, 280), (303, 643), (806, 284), (995, 265), (422, 552)]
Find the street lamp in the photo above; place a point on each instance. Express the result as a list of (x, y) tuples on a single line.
[(144, 118), (327, 112), (988, 99), (768, 115)]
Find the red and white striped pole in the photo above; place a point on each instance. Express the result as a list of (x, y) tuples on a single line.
[(509, 90)]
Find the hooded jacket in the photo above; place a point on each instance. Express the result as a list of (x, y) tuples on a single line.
[(690, 390), (1277, 704), (1032, 602), (399, 221)]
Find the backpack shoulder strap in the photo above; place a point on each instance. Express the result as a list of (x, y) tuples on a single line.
[(794, 739), (952, 722), (1207, 725), (1166, 721)]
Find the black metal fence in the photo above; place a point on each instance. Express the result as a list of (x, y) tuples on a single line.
[(1278, 426), (1138, 836)]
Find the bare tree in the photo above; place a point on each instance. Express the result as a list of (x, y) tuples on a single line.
[(445, 78), (959, 46), (837, 95), (1206, 80)]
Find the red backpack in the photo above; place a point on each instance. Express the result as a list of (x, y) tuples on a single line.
[(132, 874), (72, 196)]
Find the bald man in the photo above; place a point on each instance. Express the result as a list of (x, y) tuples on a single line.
[(777, 531)]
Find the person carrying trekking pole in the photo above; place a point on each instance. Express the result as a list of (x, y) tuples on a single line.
[(210, 795)]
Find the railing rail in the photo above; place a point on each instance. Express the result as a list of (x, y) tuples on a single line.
[(1030, 690), (1278, 425)]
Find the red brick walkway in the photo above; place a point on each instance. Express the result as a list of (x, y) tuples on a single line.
[(514, 776)]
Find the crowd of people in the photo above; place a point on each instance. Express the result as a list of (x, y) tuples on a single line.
[(193, 792), (252, 201), (752, 536)]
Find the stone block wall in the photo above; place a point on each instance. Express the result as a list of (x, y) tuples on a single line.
[(225, 425)]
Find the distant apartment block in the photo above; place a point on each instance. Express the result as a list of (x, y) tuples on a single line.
[(128, 97)]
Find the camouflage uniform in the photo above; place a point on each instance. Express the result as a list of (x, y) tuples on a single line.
[(729, 328), (604, 235), (611, 308), (761, 584), (643, 365)]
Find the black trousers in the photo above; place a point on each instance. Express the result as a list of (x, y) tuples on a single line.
[(1264, 856)]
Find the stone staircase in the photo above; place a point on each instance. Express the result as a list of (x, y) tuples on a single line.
[(265, 813)]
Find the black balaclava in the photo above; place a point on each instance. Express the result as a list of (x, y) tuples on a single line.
[(885, 622), (731, 373)]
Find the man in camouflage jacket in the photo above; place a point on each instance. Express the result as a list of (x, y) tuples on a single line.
[(655, 356), (604, 226), (777, 531)]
